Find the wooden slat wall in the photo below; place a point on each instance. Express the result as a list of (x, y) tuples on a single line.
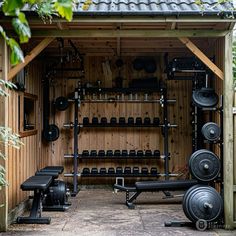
[(23, 163), (179, 113)]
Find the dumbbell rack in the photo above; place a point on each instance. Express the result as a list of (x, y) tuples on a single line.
[(79, 95)]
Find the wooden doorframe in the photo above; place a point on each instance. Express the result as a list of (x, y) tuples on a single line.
[(228, 134)]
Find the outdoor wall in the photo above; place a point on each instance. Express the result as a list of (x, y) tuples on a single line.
[(23, 163)]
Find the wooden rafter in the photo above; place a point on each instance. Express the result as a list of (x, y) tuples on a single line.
[(39, 48), (198, 53)]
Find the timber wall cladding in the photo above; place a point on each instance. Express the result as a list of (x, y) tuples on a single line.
[(23, 163), (122, 138)]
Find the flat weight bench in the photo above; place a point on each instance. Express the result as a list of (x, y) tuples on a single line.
[(56, 196), (38, 184), (153, 186)]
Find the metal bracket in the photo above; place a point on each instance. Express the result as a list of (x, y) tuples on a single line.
[(234, 110), (120, 181)]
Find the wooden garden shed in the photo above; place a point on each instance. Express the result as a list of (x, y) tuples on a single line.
[(103, 47)]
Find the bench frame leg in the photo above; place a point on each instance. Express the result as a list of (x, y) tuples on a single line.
[(130, 199), (35, 213)]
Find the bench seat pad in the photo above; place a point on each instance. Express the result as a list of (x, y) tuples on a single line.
[(36, 182), (165, 185)]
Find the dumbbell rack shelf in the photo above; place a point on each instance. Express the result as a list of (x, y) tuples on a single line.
[(120, 175), (108, 125), (115, 157), (101, 95)]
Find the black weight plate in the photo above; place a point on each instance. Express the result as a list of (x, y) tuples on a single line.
[(185, 200), (61, 103), (138, 64), (51, 133), (204, 165), (205, 203), (211, 131), (205, 98), (150, 66)]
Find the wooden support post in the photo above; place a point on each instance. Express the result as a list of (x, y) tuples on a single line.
[(198, 53), (3, 122), (39, 48), (228, 133)]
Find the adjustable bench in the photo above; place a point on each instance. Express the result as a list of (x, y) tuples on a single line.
[(38, 184), (153, 186)]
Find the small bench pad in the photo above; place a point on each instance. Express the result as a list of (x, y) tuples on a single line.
[(165, 185), (36, 182), (54, 174), (58, 169)]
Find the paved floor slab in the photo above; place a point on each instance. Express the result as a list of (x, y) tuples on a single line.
[(103, 213)]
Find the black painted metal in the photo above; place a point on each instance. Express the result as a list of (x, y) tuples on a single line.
[(204, 165), (76, 131), (202, 202)]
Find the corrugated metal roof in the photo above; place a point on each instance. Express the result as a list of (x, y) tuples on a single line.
[(153, 7)]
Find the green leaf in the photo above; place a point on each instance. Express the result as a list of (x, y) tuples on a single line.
[(11, 6), (22, 29), (64, 8), (16, 52)]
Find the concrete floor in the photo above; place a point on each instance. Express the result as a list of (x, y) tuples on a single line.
[(101, 212)]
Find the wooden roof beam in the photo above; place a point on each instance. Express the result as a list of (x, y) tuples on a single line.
[(198, 53), (39, 48), (128, 33)]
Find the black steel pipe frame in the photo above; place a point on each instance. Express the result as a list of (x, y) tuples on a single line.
[(166, 130), (76, 130)]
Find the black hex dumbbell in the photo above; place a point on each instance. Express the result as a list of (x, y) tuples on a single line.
[(153, 171), (144, 171), (156, 153), (103, 121), (101, 153), (119, 170), (138, 121), (94, 171), (147, 121), (122, 121), (109, 153), (124, 153), (85, 121), (111, 171), (156, 121), (117, 153), (136, 170), (94, 120), (103, 171), (113, 121), (86, 171), (127, 170), (93, 153), (85, 153), (130, 121), (148, 153), (140, 153), (132, 153)]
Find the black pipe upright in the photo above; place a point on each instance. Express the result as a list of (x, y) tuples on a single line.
[(76, 130), (166, 130), (46, 103)]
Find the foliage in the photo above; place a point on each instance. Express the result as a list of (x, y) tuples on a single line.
[(46, 9)]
